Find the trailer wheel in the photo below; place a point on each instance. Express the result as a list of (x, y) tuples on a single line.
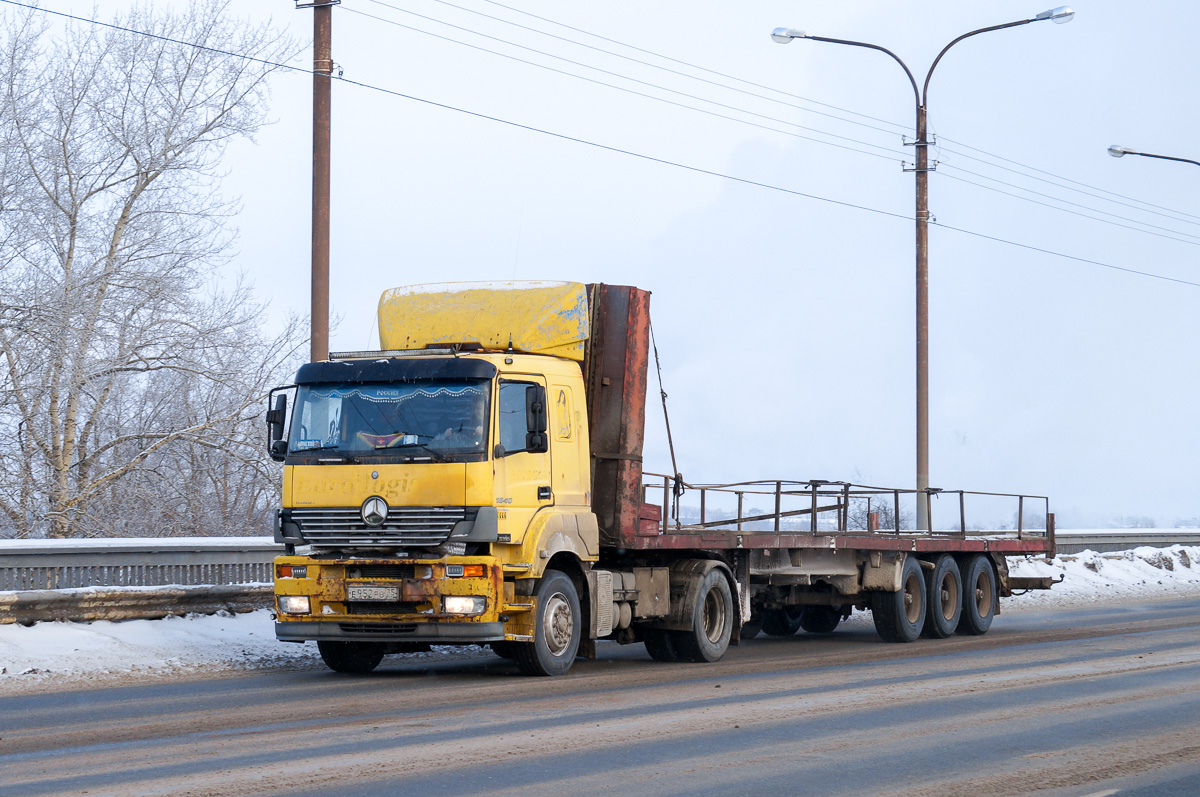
[(899, 616), (782, 622), (820, 619), (943, 586), (660, 644), (752, 627), (351, 657), (556, 630), (979, 596)]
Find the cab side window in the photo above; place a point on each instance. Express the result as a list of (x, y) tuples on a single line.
[(513, 426)]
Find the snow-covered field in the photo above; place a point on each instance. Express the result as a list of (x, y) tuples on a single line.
[(51, 655)]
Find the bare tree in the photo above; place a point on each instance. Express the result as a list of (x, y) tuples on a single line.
[(126, 371), (858, 518)]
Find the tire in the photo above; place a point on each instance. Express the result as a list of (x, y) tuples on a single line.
[(351, 657), (661, 645), (943, 586), (711, 621), (820, 619), (504, 649), (782, 622), (978, 595), (557, 628), (752, 627), (900, 616)]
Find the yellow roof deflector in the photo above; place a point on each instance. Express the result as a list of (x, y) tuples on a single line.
[(534, 317)]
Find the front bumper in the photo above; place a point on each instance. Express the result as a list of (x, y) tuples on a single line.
[(355, 630), (413, 607)]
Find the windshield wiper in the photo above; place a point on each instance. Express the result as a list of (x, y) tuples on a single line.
[(342, 454), (436, 455)]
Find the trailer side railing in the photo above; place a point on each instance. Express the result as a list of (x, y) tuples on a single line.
[(827, 508)]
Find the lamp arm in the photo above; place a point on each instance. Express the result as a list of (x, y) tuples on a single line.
[(896, 58), (929, 74)]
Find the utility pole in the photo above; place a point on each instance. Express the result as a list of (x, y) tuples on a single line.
[(322, 114)]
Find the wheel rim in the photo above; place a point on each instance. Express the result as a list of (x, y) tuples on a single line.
[(558, 624), (714, 616), (912, 597), (949, 597), (983, 594)]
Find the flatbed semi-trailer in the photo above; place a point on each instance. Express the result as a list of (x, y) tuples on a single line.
[(479, 480)]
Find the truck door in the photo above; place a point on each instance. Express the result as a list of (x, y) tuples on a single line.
[(522, 476)]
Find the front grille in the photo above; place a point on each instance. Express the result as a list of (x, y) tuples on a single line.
[(378, 628), (377, 607), (343, 527)]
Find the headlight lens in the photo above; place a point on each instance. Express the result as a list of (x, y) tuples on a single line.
[(293, 604), (459, 604)]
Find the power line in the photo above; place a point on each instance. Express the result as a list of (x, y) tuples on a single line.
[(741, 110), (806, 99), (701, 68), (659, 66), (605, 147), (1033, 248), (1194, 242), (1059, 177), (892, 153)]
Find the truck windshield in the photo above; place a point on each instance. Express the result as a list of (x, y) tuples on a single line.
[(440, 420)]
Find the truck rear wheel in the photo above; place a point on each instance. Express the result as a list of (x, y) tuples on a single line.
[(556, 630), (784, 621), (711, 622), (899, 616), (351, 657), (943, 586), (978, 596), (820, 619)]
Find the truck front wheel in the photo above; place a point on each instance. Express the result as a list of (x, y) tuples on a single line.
[(556, 632), (351, 657), (711, 622)]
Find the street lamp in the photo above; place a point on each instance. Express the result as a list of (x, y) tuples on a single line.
[(922, 169), (1118, 152)]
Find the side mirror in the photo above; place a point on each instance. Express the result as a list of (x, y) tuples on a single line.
[(276, 420), (536, 440)]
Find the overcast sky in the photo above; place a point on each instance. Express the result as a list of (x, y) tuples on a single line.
[(785, 321)]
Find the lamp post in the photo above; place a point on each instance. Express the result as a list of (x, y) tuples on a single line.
[(922, 169), (1119, 152)]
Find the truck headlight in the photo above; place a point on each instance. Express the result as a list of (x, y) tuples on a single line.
[(459, 604), (293, 604)]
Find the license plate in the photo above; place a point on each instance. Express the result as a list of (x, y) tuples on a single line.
[(372, 592)]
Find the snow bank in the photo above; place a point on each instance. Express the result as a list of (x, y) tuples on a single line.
[(1111, 577)]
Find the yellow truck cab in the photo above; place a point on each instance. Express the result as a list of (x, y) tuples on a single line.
[(430, 483)]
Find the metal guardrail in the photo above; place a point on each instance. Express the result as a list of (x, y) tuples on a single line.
[(1122, 540), (136, 562)]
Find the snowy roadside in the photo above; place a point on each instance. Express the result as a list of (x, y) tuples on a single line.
[(56, 655)]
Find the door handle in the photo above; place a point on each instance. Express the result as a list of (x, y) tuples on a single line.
[(543, 493)]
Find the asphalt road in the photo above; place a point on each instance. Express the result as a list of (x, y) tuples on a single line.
[(1069, 703)]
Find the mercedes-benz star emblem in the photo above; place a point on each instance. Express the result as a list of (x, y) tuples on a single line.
[(374, 511)]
